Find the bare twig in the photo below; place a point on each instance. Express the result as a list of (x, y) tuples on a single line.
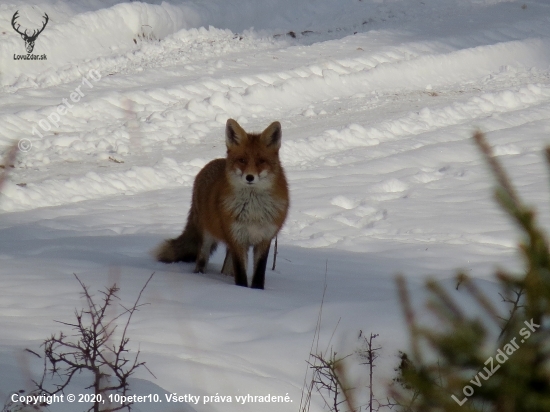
[(274, 254), (93, 350), (307, 387)]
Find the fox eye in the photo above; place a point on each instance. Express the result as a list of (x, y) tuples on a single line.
[(241, 160), (261, 161)]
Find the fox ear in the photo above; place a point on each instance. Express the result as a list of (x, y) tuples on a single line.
[(234, 133), (271, 136)]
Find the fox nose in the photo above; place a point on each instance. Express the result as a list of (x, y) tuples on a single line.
[(249, 178)]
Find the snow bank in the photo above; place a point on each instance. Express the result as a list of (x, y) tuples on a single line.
[(67, 38), (165, 173)]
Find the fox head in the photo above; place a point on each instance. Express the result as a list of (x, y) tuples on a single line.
[(253, 159)]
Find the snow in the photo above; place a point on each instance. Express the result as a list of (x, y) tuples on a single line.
[(377, 100)]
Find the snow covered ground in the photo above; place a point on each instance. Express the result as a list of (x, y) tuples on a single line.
[(377, 99)]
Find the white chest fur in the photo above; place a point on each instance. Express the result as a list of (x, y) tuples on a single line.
[(255, 212)]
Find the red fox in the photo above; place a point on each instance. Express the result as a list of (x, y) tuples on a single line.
[(241, 200)]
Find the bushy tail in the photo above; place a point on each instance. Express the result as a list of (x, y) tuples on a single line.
[(183, 248)]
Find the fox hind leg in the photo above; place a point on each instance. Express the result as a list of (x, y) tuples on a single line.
[(207, 247), (227, 268)]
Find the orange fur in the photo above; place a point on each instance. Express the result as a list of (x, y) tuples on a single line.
[(241, 200)]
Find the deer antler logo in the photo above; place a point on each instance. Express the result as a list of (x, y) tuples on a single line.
[(29, 40)]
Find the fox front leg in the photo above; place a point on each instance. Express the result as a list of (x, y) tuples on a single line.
[(237, 256), (261, 252), (227, 268)]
